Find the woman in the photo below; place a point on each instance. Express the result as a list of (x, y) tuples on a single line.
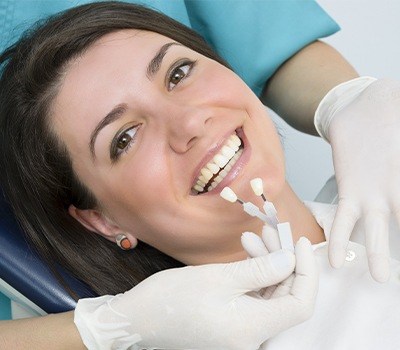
[(155, 120), (52, 227)]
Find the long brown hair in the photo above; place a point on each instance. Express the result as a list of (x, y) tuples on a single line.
[(36, 171)]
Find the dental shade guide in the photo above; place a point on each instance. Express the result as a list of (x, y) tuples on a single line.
[(285, 236), (269, 208), (284, 230), (250, 208)]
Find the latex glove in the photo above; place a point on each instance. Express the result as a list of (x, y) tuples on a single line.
[(268, 243), (256, 246), (202, 307), (361, 120)]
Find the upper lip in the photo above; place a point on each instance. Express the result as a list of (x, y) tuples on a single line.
[(210, 155)]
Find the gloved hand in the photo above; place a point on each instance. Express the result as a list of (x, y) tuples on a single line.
[(202, 307), (361, 120), (256, 246)]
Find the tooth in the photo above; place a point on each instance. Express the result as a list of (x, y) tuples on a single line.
[(218, 179), (214, 184), (198, 188), (233, 145), (228, 167), (203, 179), (232, 161), (227, 152), (220, 160), (201, 183), (207, 174), (236, 139), (223, 173), (214, 168)]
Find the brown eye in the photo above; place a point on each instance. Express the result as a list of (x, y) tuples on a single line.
[(178, 74), (123, 141)]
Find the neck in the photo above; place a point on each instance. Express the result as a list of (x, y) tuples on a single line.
[(291, 209)]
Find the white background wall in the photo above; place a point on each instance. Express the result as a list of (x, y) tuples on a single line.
[(370, 41)]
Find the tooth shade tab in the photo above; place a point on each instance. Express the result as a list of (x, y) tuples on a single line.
[(257, 186), (228, 194)]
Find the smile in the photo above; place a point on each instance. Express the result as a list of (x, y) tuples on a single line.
[(220, 165)]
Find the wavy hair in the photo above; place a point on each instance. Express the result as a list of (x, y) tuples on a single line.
[(36, 170)]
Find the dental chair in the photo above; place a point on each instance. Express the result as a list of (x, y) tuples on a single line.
[(32, 289), (24, 277)]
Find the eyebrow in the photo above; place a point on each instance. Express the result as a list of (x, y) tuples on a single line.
[(155, 63), (111, 117)]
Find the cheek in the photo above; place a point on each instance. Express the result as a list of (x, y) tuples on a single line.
[(217, 84)]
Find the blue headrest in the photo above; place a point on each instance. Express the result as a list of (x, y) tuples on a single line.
[(21, 268)]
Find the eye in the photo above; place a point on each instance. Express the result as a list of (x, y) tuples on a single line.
[(179, 73), (122, 142)]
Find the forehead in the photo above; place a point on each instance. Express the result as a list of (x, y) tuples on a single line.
[(97, 80), (114, 50)]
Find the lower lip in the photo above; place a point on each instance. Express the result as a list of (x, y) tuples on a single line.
[(237, 168)]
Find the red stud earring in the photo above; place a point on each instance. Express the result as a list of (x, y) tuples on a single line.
[(123, 242)]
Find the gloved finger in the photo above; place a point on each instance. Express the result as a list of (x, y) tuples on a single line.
[(253, 244), (305, 282), (283, 288), (346, 217), (298, 305), (267, 293), (271, 239), (260, 272), (377, 244)]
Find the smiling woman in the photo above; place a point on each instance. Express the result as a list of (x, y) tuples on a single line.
[(135, 125), (119, 129)]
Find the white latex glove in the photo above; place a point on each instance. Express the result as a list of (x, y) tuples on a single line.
[(361, 120), (256, 246), (202, 307)]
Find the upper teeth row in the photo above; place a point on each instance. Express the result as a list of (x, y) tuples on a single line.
[(222, 158)]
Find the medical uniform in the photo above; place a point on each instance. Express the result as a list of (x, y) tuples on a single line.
[(255, 37), (352, 311)]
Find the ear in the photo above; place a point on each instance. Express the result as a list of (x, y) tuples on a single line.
[(97, 222)]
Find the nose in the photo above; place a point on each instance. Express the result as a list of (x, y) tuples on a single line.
[(186, 126)]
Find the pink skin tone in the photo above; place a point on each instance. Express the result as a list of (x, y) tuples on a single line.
[(146, 193)]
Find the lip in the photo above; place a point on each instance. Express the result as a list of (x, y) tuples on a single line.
[(235, 169)]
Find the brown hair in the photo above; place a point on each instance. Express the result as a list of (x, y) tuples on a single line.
[(36, 171)]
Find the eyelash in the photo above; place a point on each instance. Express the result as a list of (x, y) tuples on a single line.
[(114, 152), (174, 70)]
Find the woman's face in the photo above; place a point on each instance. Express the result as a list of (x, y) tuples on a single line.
[(141, 117)]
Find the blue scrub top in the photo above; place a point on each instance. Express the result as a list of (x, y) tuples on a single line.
[(255, 37)]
